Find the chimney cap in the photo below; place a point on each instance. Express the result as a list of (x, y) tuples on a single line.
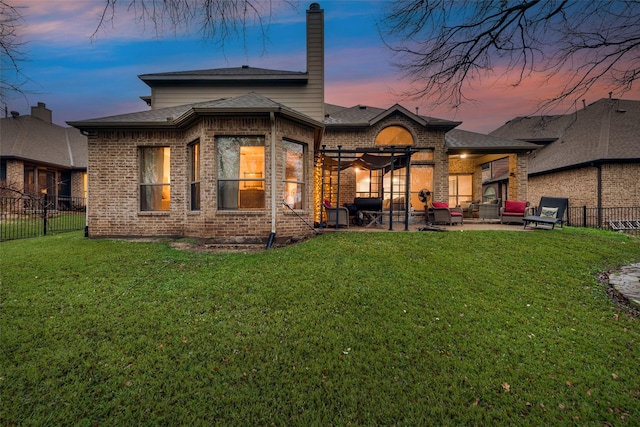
[(314, 6)]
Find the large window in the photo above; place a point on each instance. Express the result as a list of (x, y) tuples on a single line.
[(194, 154), (460, 189), (241, 172), (394, 135), (155, 178), (294, 174)]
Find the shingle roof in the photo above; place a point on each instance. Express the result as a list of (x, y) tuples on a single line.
[(174, 116), (462, 140), (244, 73), (363, 115), (29, 138), (607, 130)]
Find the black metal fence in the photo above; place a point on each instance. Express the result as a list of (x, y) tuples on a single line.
[(625, 219), (33, 216)]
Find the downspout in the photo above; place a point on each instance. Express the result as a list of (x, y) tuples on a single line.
[(272, 236), (599, 195)]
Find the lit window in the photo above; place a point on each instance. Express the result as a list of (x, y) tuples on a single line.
[(195, 175), (241, 172), (460, 189), (394, 135), (154, 179), (294, 174)]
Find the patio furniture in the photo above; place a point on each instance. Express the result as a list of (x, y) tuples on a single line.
[(550, 211), (368, 210), (442, 213), (513, 211), (336, 215), (471, 210), (489, 210)]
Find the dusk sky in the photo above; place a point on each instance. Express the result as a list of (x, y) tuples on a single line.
[(81, 78)]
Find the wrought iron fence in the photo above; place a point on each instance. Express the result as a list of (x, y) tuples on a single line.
[(625, 219), (33, 216)]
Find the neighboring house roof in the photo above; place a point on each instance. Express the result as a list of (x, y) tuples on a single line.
[(462, 141), (31, 139), (606, 131), (226, 75), (181, 115), (363, 116)]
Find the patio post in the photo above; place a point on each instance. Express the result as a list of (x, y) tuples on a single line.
[(338, 192), (391, 194), (407, 185)]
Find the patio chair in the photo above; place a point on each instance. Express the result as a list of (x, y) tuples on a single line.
[(490, 210), (550, 211), (513, 211), (442, 213), (336, 215)]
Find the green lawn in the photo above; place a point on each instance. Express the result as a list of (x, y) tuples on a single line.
[(447, 329)]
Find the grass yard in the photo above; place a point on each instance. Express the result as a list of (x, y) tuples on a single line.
[(446, 329)]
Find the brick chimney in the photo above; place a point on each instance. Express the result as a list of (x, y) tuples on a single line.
[(41, 112), (315, 55)]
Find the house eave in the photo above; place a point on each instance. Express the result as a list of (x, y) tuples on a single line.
[(191, 116), (591, 163)]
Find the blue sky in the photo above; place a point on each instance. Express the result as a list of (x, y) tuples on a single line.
[(80, 78)]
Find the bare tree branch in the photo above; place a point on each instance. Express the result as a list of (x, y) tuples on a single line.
[(11, 50), (444, 47), (214, 20)]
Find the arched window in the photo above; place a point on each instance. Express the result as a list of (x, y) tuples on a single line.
[(394, 135)]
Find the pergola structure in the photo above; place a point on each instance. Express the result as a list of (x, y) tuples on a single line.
[(387, 159)]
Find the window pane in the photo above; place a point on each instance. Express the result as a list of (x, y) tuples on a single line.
[(422, 156), (241, 172), (394, 135), (155, 191), (154, 197), (293, 174), (195, 176), (421, 178)]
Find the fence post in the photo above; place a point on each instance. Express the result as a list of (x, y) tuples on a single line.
[(44, 215), (584, 215)]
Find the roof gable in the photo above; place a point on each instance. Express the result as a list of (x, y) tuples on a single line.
[(364, 116)]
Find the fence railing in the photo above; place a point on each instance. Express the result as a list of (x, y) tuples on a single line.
[(33, 216), (616, 218)]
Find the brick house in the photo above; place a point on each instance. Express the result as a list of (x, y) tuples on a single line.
[(38, 156), (242, 154), (591, 156)]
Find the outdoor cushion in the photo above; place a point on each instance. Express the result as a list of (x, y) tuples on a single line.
[(456, 213), (441, 205), (327, 203), (548, 212), (514, 207)]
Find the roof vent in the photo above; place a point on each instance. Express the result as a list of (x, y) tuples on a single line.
[(15, 114), (362, 107), (245, 66)]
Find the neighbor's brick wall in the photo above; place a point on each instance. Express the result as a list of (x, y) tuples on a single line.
[(114, 193), (621, 184), (77, 184)]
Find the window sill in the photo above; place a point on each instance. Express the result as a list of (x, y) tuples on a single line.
[(154, 213)]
